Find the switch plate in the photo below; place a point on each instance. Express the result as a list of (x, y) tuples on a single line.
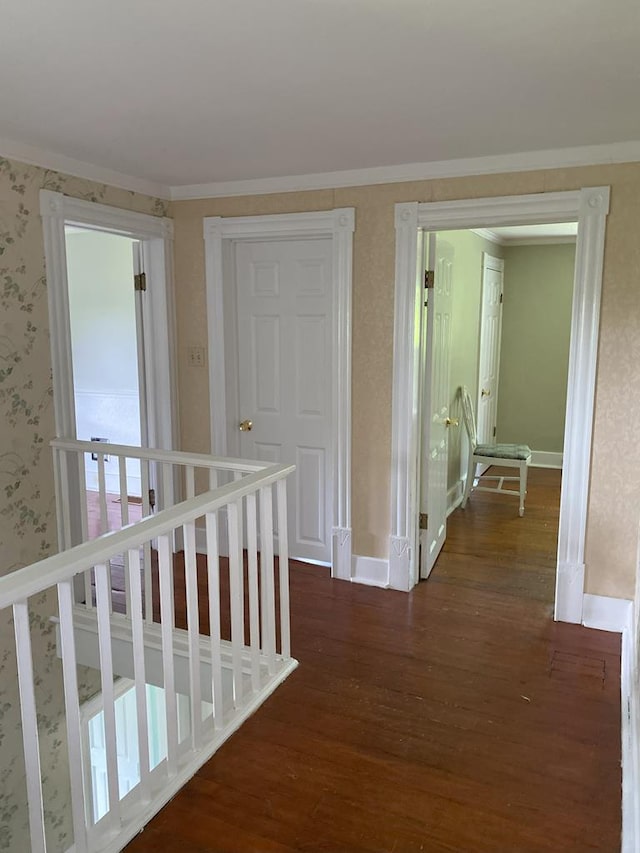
[(196, 356)]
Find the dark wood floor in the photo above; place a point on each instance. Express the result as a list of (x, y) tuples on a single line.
[(459, 717)]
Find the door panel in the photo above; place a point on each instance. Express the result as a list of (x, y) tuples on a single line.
[(284, 322), (435, 440)]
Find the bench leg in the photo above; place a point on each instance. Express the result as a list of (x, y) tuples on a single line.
[(471, 470)]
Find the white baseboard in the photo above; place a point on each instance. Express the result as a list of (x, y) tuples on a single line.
[(545, 459), (454, 496), (605, 613), (372, 571)]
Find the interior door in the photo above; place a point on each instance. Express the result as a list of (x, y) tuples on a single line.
[(490, 335), (436, 397), (284, 323)]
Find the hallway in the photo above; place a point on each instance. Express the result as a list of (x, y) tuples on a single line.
[(456, 718)]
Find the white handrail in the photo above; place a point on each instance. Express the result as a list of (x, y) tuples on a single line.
[(222, 675), (175, 457), (38, 577)]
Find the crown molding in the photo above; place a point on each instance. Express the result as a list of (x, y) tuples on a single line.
[(34, 156), (528, 161), (488, 234), (586, 155)]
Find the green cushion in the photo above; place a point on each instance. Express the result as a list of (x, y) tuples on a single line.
[(503, 451)]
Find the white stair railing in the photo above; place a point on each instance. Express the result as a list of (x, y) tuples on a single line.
[(220, 671)]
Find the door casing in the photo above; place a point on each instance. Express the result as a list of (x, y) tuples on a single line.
[(589, 207), (219, 235), (156, 238)]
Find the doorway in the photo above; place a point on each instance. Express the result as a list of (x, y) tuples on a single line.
[(527, 277), (589, 207), (272, 323), (110, 297)]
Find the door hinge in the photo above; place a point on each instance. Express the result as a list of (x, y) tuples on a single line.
[(140, 281), (152, 498), (429, 279), (501, 299), (424, 520), (494, 432)]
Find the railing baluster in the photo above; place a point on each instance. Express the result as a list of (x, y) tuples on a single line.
[(124, 520), (236, 595), (29, 716), (213, 583), (283, 568), (252, 579), (266, 575), (167, 623), (146, 510), (137, 638), (213, 478), (190, 480), (103, 608), (167, 485), (84, 520), (102, 494), (72, 714), (193, 628), (65, 506)]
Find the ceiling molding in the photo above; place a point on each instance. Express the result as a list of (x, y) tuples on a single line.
[(488, 234), (541, 241), (587, 155), (78, 168)]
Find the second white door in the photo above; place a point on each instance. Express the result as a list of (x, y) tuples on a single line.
[(284, 323)]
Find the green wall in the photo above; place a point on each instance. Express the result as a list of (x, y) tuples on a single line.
[(536, 324), (465, 326)]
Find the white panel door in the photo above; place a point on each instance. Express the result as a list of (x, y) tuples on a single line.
[(284, 310), (435, 418), (489, 362)]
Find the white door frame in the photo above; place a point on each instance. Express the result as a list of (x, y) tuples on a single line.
[(589, 206), (338, 225), (156, 236)]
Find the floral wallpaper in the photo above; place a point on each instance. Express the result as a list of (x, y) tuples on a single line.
[(27, 505)]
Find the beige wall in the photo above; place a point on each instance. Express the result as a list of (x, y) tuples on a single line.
[(468, 249), (615, 484), (534, 359)]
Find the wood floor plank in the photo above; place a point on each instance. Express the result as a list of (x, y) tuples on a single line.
[(458, 717)]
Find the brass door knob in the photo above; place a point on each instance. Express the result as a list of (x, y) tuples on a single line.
[(245, 426), (485, 393), (451, 422)]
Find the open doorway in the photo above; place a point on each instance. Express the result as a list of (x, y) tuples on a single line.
[(589, 207), (500, 327), (112, 342), (107, 349)]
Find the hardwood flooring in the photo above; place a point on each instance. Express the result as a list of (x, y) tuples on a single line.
[(458, 717)]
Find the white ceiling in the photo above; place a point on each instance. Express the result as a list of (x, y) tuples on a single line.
[(198, 91)]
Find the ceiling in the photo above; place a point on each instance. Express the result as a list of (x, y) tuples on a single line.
[(216, 91)]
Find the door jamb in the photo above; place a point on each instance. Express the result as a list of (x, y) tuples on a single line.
[(338, 225), (156, 236), (589, 206)]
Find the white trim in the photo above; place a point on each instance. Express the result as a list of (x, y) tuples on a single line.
[(338, 225), (34, 156), (545, 459), (157, 235), (541, 241), (589, 207), (455, 495), (605, 613), (630, 719), (370, 571), (488, 234), (526, 161)]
